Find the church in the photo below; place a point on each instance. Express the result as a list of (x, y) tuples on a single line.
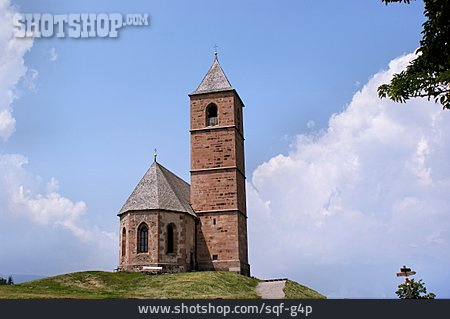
[(170, 226)]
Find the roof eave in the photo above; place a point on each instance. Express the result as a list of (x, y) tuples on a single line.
[(158, 209)]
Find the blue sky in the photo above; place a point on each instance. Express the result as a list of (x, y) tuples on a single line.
[(90, 117)]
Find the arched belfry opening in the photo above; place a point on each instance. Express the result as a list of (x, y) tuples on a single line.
[(211, 115)]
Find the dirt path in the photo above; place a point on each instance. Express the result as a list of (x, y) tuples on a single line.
[(271, 289)]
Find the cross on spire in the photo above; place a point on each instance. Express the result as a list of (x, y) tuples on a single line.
[(155, 154), (215, 49)]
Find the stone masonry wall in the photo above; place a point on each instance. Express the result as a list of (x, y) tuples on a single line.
[(225, 105), (222, 242), (214, 190), (184, 228), (218, 183), (157, 221), (131, 221)]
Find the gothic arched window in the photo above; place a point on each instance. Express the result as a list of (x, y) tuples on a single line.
[(143, 238), (211, 115), (170, 239), (124, 241)]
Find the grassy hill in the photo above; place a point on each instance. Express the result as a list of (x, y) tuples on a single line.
[(103, 285)]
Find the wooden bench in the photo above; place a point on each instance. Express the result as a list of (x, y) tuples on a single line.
[(151, 269)]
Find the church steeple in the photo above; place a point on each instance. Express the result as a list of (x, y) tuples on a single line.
[(218, 174), (215, 80)]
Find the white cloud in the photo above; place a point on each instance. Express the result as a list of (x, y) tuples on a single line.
[(368, 194), (24, 195), (7, 124), (30, 80), (53, 55), (24, 200), (12, 51), (54, 209)]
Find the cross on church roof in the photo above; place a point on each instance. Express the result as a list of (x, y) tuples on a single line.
[(215, 49), (215, 80), (155, 155)]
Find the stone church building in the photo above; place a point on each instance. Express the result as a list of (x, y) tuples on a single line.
[(171, 226)]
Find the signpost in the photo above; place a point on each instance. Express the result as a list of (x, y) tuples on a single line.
[(405, 272)]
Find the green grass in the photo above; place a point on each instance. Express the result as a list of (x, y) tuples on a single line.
[(107, 285), (293, 290)]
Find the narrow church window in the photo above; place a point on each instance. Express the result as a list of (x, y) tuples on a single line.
[(170, 239), (211, 115), (143, 238), (124, 241), (215, 257), (238, 122), (214, 221)]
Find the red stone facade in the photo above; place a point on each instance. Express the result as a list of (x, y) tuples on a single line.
[(167, 223), (180, 260), (218, 182)]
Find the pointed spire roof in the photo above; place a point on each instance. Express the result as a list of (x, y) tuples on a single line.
[(214, 81), (160, 189)]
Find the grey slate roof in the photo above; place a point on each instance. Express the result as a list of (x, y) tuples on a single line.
[(214, 81), (160, 189)]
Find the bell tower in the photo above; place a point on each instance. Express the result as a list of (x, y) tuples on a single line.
[(218, 174)]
